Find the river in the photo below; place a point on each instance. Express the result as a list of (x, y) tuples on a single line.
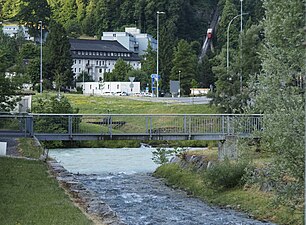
[(122, 178)]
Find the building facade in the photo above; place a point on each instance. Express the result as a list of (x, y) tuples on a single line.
[(110, 88), (132, 39), (97, 57)]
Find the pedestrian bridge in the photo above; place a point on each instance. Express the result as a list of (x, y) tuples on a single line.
[(49, 127)]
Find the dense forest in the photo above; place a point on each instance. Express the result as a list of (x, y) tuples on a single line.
[(258, 67)]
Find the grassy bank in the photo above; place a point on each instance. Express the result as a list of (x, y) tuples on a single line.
[(250, 200), (30, 196)]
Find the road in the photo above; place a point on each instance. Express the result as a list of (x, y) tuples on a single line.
[(169, 100)]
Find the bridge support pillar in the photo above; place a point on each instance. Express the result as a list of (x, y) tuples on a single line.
[(228, 148)]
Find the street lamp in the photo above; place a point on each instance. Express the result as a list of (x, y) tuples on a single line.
[(158, 12), (40, 77), (227, 45), (179, 90)]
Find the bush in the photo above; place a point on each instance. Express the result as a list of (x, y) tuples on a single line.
[(161, 155), (226, 174)]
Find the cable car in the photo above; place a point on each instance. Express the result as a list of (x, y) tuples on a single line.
[(209, 33)]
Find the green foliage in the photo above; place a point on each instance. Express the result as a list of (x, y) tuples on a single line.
[(277, 94), (120, 72), (58, 59), (53, 104), (226, 174), (161, 155), (185, 61), (29, 148), (252, 201)]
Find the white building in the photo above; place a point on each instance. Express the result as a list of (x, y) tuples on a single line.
[(109, 88), (13, 29), (97, 57), (132, 39)]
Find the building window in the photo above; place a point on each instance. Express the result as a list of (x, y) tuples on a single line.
[(104, 53), (74, 61), (109, 63), (112, 54), (79, 61), (114, 35), (115, 54), (103, 62), (117, 86), (108, 54), (100, 70), (79, 70), (108, 86), (75, 70), (90, 87), (97, 62), (89, 53)]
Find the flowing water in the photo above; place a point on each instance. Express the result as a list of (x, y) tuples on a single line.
[(122, 178)]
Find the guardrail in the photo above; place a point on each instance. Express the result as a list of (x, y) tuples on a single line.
[(130, 126)]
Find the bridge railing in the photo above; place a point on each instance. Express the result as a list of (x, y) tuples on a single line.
[(130, 124), (150, 124), (15, 124)]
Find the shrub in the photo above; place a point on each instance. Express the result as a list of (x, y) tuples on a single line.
[(161, 155), (226, 174)]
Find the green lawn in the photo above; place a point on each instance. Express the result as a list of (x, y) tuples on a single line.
[(120, 105), (28, 195)]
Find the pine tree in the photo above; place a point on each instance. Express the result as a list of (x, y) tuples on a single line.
[(184, 65), (57, 56)]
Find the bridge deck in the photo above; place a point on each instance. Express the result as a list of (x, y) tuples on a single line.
[(130, 126)]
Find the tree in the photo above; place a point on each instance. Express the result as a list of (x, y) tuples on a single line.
[(9, 85), (58, 58), (184, 60), (31, 12), (120, 72), (278, 96), (148, 61), (228, 13)]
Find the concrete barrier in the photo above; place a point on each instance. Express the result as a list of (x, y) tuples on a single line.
[(3, 146)]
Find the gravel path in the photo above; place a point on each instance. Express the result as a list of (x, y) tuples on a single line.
[(12, 144)]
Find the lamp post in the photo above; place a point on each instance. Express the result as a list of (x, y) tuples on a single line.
[(241, 45), (179, 90), (158, 12), (40, 77), (227, 45)]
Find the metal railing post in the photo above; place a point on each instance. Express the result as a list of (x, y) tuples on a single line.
[(110, 123), (185, 124), (70, 126)]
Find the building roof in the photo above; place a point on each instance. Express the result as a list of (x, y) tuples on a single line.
[(100, 46), (97, 45)]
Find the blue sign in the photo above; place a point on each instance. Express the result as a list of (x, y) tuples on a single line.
[(154, 76)]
